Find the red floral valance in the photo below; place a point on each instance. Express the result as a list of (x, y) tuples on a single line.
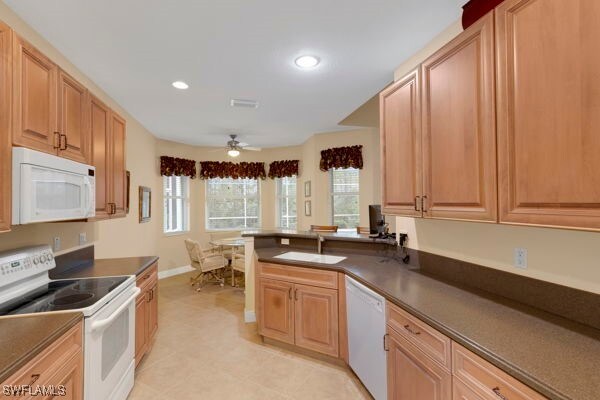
[(170, 166), (341, 157), (226, 169), (283, 169)]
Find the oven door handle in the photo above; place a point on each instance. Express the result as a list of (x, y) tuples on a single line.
[(104, 323)]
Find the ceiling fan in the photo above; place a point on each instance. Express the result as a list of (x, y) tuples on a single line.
[(234, 147)]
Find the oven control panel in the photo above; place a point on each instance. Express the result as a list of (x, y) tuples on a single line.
[(25, 262)]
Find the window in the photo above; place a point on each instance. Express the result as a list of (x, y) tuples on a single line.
[(344, 198), (176, 203), (286, 202), (232, 204)]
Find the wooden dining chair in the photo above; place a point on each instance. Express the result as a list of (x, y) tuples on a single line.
[(206, 262), (361, 230), (324, 228)]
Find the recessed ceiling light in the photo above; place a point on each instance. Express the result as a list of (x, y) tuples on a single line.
[(307, 62), (180, 85)]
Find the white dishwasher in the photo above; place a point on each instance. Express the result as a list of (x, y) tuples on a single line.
[(365, 310)]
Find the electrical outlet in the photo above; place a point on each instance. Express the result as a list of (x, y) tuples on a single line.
[(520, 257), (82, 238), (285, 241), (57, 243)]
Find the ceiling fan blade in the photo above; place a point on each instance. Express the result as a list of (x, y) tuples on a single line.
[(221, 149), (243, 144), (252, 148)]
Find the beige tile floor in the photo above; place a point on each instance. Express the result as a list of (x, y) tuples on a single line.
[(204, 350)]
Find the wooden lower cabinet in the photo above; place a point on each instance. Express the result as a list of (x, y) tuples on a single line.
[(146, 312), (276, 310), (412, 374), (303, 315), (485, 380), (70, 377), (60, 364), (460, 391), (316, 319)]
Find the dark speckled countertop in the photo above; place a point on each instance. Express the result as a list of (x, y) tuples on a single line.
[(553, 355), (108, 267), (23, 338)]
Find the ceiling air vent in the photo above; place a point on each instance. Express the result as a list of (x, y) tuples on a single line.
[(244, 103)]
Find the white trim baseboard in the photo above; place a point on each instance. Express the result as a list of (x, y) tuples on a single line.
[(249, 316), (174, 271)]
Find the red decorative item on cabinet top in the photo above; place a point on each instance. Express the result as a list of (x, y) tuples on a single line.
[(476, 9)]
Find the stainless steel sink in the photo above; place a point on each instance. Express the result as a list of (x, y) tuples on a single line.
[(310, 257)]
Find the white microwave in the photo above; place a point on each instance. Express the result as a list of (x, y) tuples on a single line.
[(49, 188)]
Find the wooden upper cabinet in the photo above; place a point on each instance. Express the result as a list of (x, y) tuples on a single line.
[(119, 170), (549, 112), (5, 134), (316, 319), (34, 98), (276, 310), (73, 123), (459, 127), (100, 155), (401, 146), (108, 156)]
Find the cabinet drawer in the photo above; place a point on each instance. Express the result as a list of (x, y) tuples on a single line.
[(43, 367), (427, 339), (304, 276), (486, 380), (149, 276)]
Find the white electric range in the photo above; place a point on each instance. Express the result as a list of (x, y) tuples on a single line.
[(107, 304)]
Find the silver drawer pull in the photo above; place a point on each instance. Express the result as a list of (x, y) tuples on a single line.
[(408, 328), (496, 391)]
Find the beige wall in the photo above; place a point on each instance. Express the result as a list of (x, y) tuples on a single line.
[(123, 237), (561, 256), (170, 247)]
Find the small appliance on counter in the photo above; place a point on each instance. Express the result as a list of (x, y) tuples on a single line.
[(107, 304), (49, 188)]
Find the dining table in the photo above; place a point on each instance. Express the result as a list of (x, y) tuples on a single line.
[(234, 243)]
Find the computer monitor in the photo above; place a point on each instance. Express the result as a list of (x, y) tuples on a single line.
[(376, 220)]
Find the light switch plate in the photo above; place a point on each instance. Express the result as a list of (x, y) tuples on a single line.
[(82, 238)]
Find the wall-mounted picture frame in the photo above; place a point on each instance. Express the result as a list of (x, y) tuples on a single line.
[(307, 189), (145, 204), (307, 208)]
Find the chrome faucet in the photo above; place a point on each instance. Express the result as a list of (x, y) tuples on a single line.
[(320, 240)]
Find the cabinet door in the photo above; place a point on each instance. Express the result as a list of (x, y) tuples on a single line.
[(34, 99), (5, 136), (412, 375), (549, 112), (460, 391), (275, 310), (119, 173), (101, 155), (73, 122), (71, 377), (316, 319), (141, 326), (153, 312), (459, 129), (401, 146)]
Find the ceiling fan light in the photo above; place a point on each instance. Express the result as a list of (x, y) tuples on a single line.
[(233, 152)]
